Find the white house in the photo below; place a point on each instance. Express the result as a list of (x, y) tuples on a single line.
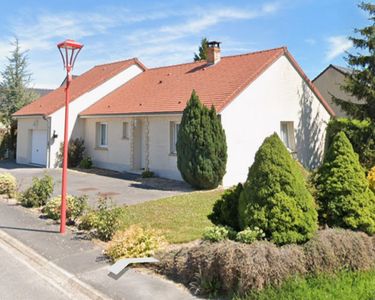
[(129, 115)]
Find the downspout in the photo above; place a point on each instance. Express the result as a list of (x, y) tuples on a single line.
[(48, 119)]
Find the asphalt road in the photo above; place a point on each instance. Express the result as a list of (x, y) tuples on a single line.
[(19, 281)]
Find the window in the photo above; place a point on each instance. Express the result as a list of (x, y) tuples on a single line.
[(125, 130), (101, 134), (174, 127), (287, 135)]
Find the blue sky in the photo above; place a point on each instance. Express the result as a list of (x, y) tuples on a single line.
[(169, 32)]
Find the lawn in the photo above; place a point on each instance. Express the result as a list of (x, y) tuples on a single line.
[(181, 218), (343, 286)]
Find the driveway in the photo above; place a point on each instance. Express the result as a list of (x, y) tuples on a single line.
[(123, 188)]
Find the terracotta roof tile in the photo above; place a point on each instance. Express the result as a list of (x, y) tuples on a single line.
[(167, 89), (54, 100)]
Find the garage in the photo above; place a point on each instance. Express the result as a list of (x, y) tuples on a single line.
[(39, 147)]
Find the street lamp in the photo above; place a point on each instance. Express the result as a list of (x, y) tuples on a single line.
[(69, 50)]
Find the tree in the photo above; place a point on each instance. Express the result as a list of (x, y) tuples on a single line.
[(343, 192), (202, 55), (14, 93), (275, 197), (201, 145), (361, 82)]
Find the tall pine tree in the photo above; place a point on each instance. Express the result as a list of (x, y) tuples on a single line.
[(361, 82), (202, 54), (14, 92), (201, 146)]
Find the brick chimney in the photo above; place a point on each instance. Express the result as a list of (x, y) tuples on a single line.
[(213, 52)]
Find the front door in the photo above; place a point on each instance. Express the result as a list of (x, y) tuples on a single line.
[(39, 147)]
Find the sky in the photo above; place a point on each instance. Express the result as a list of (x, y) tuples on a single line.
[(169, 32)]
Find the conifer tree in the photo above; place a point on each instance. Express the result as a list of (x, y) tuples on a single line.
[(201, 146), (275, 197), (361, 81), (14, 92), (343, 192), (202, 54)]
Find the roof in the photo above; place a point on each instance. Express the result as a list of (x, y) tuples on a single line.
[(40, 92), (167, 89), (84, 83), (342, 70)]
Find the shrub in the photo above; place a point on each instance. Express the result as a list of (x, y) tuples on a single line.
[(8, 185), (225, 210), (371, 179), (332, 250), (134, 242), (234, 267), (38, 193), (104, 221), (201, 146), (86, 163), (275, 197), (249, 236), (218, 233), (76, 150), (343, 193), (74, 208), (147, 174), (361, 135)]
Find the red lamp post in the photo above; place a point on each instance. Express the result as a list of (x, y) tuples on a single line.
[(69, 50)]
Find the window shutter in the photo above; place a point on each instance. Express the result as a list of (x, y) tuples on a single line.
[(97, 134)]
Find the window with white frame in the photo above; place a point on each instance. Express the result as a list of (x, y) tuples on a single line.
[(287, 134), (174, 127), (125, 130), (101, 134)]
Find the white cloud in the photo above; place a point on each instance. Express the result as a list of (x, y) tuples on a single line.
[(310, 41), (337, 45)]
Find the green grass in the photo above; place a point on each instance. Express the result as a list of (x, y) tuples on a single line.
[(343, 286), (181, 218)]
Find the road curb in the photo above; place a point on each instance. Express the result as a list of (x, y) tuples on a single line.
[(64, 281)]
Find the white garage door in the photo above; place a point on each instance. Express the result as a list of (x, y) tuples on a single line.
[(39, 147)]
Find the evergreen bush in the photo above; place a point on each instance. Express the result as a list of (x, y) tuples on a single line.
[(371, 178), (225, 210), (201, 146), (343, 192), (275, 197), (76, 151)]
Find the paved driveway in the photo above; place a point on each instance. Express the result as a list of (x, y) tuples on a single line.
[(123, 188)]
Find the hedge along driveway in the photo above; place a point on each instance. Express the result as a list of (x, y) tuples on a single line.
[(123, 188)]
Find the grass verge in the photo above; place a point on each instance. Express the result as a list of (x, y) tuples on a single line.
[(181, 218), (344, 286)]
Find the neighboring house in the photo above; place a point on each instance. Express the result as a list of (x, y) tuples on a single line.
[(329, 83), (129, 115)]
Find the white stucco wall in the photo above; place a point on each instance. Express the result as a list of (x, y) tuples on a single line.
[(119, 153), (80, 104), (279, 94), (24, 131)]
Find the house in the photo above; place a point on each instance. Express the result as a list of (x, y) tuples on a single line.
[(329, 82), (129, 115)]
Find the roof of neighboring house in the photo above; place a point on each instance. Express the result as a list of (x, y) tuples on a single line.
[(342, 70), (167, 89), (84, 83), (41, 92)]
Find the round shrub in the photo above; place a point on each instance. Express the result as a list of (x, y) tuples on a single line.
[(371, 178), (201, 146), (86, 163), (38, 193), (74, 208), (225, 210), (249, 236), (8, 185), (343, 193), (218, 233), (134, 242), (275, 197)]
